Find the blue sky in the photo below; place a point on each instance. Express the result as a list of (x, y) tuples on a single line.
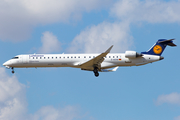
[(149, 92)]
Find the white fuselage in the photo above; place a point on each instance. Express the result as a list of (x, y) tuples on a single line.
[(75, 60)]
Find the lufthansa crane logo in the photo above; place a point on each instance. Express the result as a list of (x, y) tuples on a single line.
[(157, 49)]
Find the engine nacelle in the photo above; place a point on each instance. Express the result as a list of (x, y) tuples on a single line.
[(132, 54)]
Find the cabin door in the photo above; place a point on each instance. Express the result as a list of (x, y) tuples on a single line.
[(25, 58)]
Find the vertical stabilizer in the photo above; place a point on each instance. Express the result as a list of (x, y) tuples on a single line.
[(159, 46)]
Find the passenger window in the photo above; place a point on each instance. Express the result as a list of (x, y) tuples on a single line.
[(67, 57), (56, 57), (117, 56), (64, 57), (71, 56), (60, 57), (79, 57), (48, 57), (40, 57), (84, 56), (44, 57), (109, 56), (36, 57), (113, 56), (74, 56)]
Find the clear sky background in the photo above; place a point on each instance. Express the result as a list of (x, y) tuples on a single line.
[(149, 92)]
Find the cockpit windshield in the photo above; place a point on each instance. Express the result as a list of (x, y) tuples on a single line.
[(15, 58)]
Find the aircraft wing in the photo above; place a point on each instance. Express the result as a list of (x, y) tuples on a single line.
[(97, 60)]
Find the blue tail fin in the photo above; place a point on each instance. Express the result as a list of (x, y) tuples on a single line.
[(159, 46)]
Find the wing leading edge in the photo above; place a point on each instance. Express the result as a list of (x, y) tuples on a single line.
[(95, 62)]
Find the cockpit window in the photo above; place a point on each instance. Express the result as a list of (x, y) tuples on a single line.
[(15, 58)]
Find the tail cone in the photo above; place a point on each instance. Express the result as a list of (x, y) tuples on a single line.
[(161, 58)]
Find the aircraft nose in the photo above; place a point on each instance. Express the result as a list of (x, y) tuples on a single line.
[(7, 63)]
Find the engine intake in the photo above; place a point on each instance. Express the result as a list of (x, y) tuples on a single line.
[(132, 54)]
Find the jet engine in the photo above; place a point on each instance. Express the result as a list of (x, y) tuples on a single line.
[(132, 54)]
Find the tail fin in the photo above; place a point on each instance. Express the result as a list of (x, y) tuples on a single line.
[(159, 46)]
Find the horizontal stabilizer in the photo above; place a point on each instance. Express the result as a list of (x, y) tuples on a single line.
[(171, 44), (168, 42)]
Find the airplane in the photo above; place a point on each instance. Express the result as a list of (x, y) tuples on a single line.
[(91, 62)]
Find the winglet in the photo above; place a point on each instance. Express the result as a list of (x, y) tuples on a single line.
[(113, 70), (108, 51)]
